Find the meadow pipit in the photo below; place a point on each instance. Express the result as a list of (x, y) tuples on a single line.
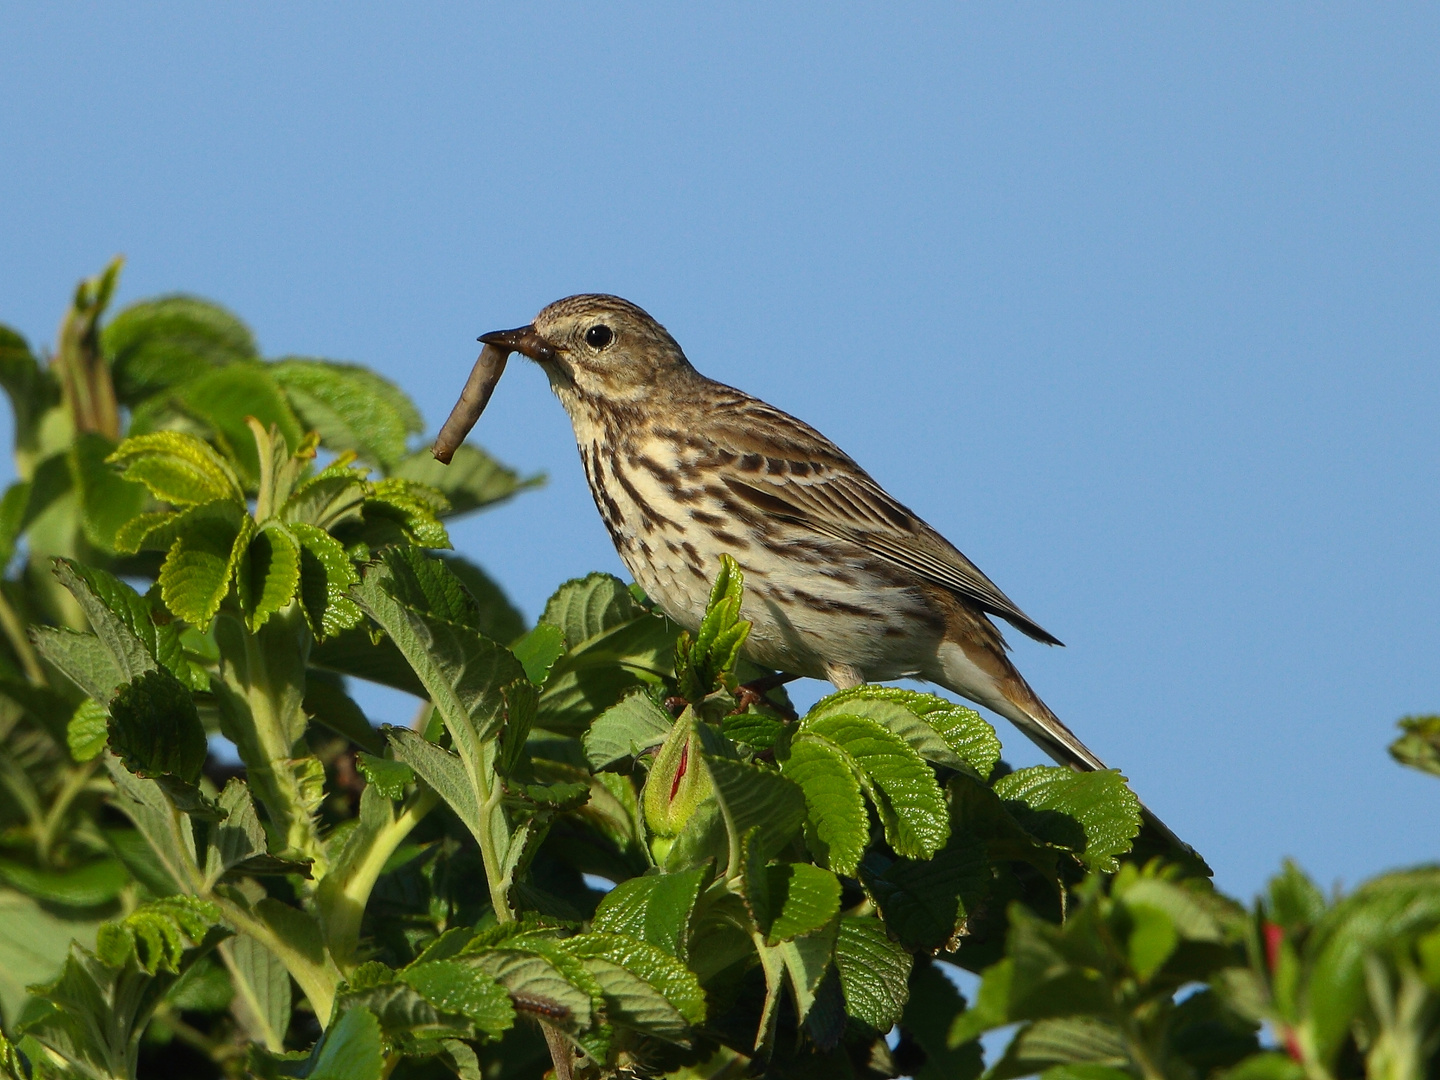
[(842, 582)]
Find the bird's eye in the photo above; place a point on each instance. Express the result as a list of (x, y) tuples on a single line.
[(598, 336)]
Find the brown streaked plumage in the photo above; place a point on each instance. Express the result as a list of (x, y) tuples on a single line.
[(841, 581)]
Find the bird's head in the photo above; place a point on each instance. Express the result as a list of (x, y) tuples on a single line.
[(597, 347)]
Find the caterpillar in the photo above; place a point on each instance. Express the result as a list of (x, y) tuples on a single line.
[(540, 1006)]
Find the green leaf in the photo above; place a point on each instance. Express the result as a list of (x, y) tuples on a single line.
[(751, 796), (13, 507), (520, 700), (443, 771), (352, 1049), (411, 508), (389, 777), (585, 607), (1049, 800), (1386, 913), (536, 985), (178, 468), (626, 730), (350, 406), (226, 397), (1293, 900), (874, 972), (118, 614), (326, 575), (1194, 914), (800, 900), (898, 782), (155, 728), (703, 842), (473, 479), (154, 531), (815, 984), (166, 830), (758, 730), (656, 908), (32, 391), (1152, 939), (667, 975), (498, 618), (82, 658), (598, 672), (156, 935), (1419, 746), (87, 730), (97, 1015), (34, 942), (12, 1062), (1066, 1040), (537, 651), (330, 499), (158, 343), (1272, 1065), (107, 500), (1050, 971), (926, 902), (457, 987), (428, 585), (708, 661), (136, 630), (837, 827), (262, 990), (87, 885), (462, 670), (268, 574), (202, 561), (936, 729), (239, 836)]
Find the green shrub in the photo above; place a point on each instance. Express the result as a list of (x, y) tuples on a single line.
[(207, 542)]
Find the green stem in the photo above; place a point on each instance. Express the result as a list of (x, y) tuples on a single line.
[(75, 783), (262, 687), (492, 818), (343, 912), (193, 1036), (20, 641)]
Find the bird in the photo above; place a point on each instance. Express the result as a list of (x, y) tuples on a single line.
[(842, 581)]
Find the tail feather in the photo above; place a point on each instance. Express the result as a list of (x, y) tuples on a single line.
[(996, 684)]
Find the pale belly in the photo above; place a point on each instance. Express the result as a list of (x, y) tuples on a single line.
[(812, 601)]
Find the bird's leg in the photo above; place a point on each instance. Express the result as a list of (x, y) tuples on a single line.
[(753, 693)]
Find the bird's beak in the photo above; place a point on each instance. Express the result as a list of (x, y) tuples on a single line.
[(525, 340)]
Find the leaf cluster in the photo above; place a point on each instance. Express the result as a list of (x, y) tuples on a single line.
[(595, 848)]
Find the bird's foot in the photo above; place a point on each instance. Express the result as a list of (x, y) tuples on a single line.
[(753, 693)]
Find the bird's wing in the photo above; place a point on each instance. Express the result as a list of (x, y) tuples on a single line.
[(787, 469)]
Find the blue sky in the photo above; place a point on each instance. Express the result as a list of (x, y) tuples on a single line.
[(1137, 304)]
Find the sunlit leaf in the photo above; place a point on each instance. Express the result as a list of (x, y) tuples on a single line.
[(178, 468), (350, 406)]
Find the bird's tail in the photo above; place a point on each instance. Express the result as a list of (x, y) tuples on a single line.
[(986, 676)]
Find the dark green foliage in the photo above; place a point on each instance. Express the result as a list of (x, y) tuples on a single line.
[(411, 901)]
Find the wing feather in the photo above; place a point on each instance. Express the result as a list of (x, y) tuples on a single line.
[(830, 494)]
